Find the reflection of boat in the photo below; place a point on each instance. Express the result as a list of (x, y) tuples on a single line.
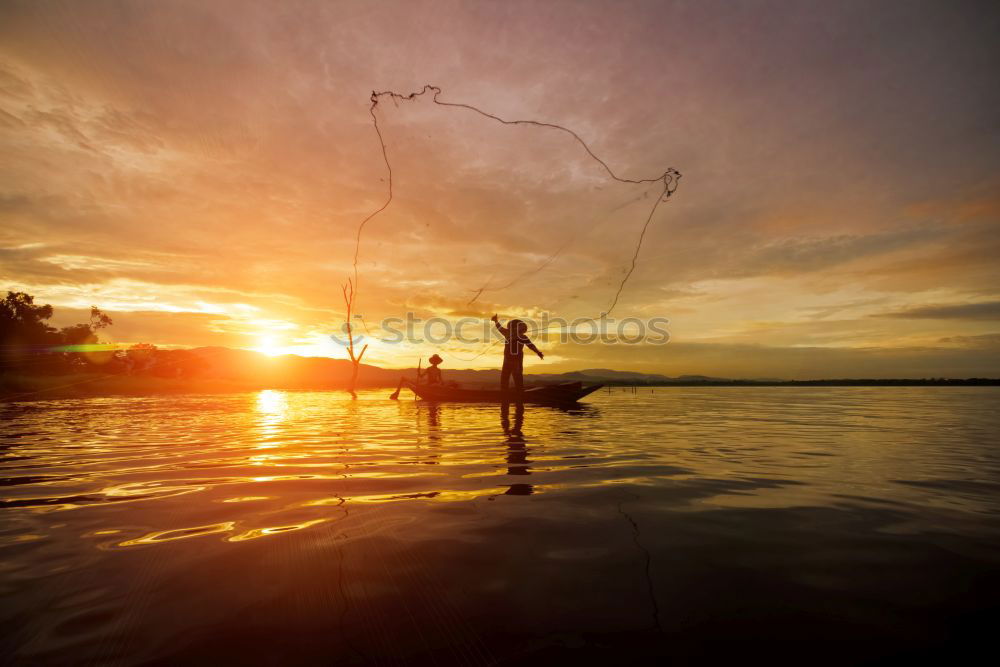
[(558, 394)]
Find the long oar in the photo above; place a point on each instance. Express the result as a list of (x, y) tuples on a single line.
[(395, 395)]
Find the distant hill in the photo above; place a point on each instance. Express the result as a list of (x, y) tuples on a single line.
[(607, 375), (221, 363), (248, 369), (244, 365)]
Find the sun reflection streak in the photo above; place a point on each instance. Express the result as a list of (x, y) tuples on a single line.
[(272, 411), (180, 534), (274, 530)]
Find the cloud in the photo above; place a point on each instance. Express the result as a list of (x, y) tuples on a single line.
[(803, 255), (988, 310), (984, 341), (783, 362), (169, 155)]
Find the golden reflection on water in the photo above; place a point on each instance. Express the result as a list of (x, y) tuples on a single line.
[(529, 513), (179, 534), (272, 411), (274, 530), (200, 457)]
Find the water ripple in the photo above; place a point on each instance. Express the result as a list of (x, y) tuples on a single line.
[(120, 511)]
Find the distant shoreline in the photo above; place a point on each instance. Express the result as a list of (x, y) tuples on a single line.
[(932, 382), (44, 387)]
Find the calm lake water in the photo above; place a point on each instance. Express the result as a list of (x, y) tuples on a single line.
[(828, 525)]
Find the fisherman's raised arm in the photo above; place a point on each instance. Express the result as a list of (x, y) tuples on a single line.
[(501, 329)]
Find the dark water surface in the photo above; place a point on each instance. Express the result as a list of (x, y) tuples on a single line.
[(785, 525)]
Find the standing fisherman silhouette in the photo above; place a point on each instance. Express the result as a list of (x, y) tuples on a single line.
[(513, 355)]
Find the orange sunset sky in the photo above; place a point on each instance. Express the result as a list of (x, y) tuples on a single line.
[(198, 170)]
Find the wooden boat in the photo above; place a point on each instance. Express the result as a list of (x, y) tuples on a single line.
[(567, 392)]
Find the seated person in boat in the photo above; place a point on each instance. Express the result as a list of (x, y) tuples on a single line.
[(431, 376), (515, 340)]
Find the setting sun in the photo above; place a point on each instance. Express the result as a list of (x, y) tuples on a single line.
[(268, 345)]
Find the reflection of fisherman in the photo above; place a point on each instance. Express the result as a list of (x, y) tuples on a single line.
[(433, 429), (513, 358), (517, 450), (512, 431), (431, 376)]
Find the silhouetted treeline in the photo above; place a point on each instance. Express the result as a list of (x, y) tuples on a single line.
[(29, 343)]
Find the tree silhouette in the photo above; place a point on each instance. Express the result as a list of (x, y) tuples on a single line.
[(27, 340), (21, 321), (349, 294)]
